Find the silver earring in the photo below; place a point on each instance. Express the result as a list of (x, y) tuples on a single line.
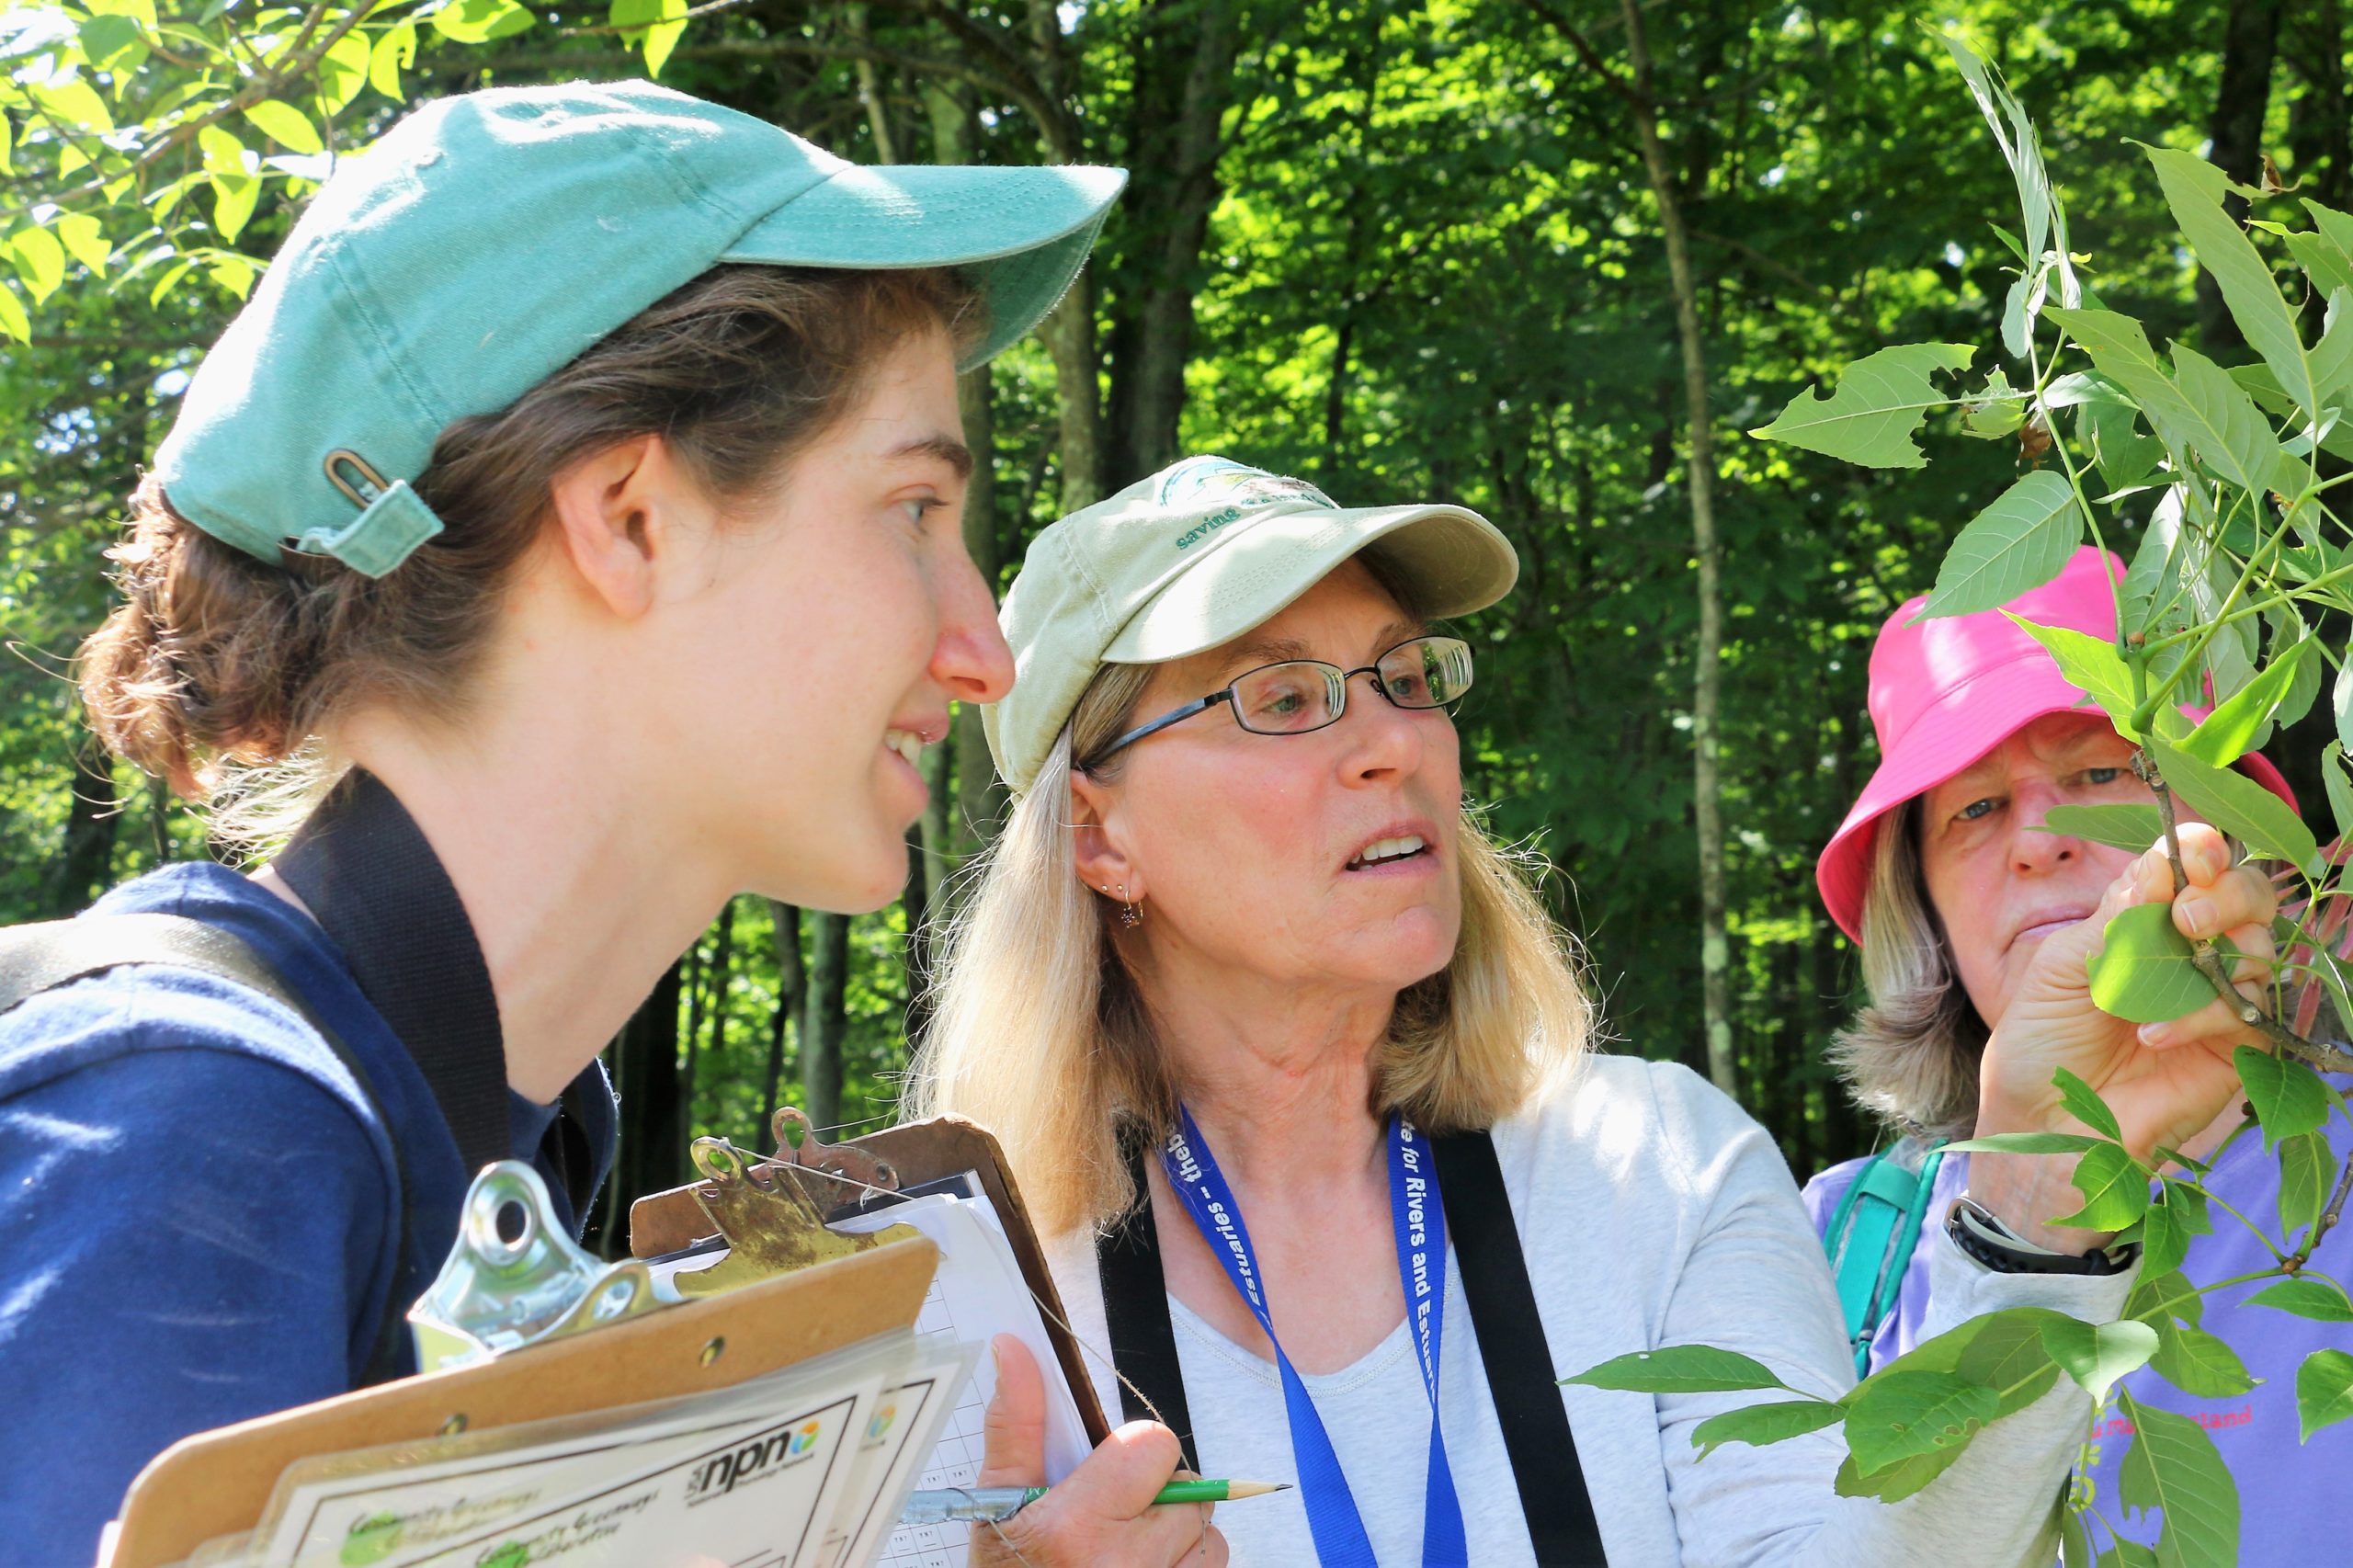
[(1128, 916)]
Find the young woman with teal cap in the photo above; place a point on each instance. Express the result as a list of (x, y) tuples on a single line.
[(568, 528)]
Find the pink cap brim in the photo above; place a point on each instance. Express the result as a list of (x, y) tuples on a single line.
[(1970, 721)]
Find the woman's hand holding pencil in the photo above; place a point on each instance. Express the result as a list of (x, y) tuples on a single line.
[(1102, 1513)]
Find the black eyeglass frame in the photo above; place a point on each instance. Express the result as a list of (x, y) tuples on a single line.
[(1339, 706)]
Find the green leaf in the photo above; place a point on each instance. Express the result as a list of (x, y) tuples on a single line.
[(2340, 787), (2159, 1300), (112, 43), (7, 145), (233, 272), (1763, 1423), (395, 51), (2007, 1356), (232, 203), (2323, 1391), (170, 280), (2198, 1363), (1679, 1368), (2018, 542), (40, 261), (2230, 732), (2194, 189), (2164, 1237), (2239, 806), (2092, 663), (2115, 1187), (1995, 411), (2025, 1143), (479, 22), (2144, 971), (2083, 1102), (2289, 1098), (2328, 268), (14, 322), (2129, 1554), (2120, 826), (75, 103), (86, 241), (2075, 1546), (2208, 413), (2313, 1295), (1900, 1415), (1877, 409), (2304, 1174), (2172, 1465), (286, 125), (2095, 1354), (342, 72), (1893, 1484), (2127, 458), (223, 153)]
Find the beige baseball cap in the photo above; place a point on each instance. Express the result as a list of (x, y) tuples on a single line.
[(1195, 556)]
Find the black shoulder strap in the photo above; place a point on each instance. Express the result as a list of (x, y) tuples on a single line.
[(374, 884), (38, 957), (1135, 1310), (1520, 1374)]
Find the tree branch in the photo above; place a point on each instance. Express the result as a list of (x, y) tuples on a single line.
[(1634, 94)]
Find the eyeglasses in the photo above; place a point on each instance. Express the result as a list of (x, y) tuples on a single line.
[(1301, 695)]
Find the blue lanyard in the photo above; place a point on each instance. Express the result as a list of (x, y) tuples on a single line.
[(1332, 1514)]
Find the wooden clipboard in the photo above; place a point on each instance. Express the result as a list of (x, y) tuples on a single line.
[(218, 1482), (915, 1152)]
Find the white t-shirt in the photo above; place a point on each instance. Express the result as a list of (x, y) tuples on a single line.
[(1652, 1211)]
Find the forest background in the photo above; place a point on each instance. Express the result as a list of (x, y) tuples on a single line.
[(1489, 251)]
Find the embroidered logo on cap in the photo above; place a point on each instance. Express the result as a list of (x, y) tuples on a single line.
[(1199, 481)]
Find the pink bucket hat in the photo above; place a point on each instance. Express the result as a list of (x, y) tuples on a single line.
[(1945, 692)]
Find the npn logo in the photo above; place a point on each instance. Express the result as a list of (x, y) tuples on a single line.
[(880, 1428), (716, 1477), (803, 1439), (371, 1539)]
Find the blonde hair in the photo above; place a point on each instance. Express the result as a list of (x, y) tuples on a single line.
[(1041, 1036), (1911, 1056)]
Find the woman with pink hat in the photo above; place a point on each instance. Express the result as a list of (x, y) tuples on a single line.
[(1969, 914)]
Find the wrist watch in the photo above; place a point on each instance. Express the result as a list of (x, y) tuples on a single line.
[(1983, 1237)]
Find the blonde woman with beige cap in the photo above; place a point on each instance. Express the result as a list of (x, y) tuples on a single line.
[(1295, 1073)]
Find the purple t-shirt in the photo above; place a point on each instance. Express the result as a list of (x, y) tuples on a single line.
[(2293, 1504)]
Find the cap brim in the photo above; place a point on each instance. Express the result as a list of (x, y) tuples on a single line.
[(1947, 739), (1456, 559), (1020, 233)]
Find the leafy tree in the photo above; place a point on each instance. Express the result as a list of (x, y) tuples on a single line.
[(2231, 482)]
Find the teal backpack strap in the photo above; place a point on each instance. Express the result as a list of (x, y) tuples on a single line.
[(1870, 1239)]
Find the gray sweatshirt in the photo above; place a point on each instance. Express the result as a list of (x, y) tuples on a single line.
[(1652, 1211)]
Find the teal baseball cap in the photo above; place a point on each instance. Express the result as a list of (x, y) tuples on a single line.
[(490, 237)]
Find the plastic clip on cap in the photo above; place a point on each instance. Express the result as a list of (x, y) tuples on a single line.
[(400, 305)]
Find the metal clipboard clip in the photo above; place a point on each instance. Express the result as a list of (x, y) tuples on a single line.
[(514, 1279)]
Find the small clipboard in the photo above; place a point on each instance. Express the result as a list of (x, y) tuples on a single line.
[(218, 1482), (904, 1156)]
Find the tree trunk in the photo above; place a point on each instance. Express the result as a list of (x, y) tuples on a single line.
[(85, 861), (825, 1022), (653, 1152), (870, 88), (969, 818), (2320, 122), (790, 987), (713, 1009), (2250, 43), (1715, 948), (1184, 83)]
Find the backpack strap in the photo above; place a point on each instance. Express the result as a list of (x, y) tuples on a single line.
[(44, 956), (1872, 1234)]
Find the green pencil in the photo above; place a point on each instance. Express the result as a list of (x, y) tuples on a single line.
[(1004, 1502)]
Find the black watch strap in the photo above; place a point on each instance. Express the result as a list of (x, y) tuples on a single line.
[(1983, 1237)]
